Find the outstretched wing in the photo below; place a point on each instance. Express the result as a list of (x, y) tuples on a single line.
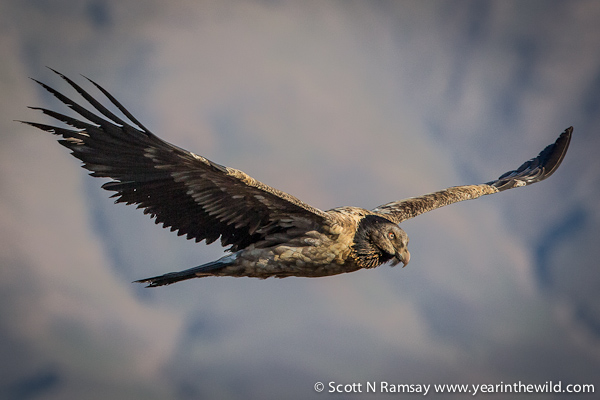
[(184, 191), (535, 170)]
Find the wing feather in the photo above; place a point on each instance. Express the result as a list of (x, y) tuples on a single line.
[(181, 190), (535, 170)]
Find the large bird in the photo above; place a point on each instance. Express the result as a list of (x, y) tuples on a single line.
[(270, 233)]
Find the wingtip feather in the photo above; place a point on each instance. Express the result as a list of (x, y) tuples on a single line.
[(538, 168)]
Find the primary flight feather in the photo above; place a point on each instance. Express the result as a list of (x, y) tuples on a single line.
[(270, 233)]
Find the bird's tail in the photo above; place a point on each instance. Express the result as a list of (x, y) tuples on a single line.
[(196, 272)]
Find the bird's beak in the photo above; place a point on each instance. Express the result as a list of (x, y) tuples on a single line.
[(403, 258)]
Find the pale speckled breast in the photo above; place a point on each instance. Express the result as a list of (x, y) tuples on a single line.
[(314, 254), (317, 254)]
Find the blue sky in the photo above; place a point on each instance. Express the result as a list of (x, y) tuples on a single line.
[(338, 103)]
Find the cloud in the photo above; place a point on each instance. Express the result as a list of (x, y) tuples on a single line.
[(64, 310), (339, 104)]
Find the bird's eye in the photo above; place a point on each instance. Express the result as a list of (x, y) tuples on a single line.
[(391, 235)]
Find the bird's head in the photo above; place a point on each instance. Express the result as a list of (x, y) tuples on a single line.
[(378, 241)]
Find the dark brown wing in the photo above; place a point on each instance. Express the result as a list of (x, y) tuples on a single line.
[(182, 190), (535, 170)]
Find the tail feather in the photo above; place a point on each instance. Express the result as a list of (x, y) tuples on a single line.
[(196, 272)]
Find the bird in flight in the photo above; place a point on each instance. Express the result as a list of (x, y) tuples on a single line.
[(269, 233)]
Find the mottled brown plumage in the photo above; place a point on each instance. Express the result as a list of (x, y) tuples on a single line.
[(270, 233)]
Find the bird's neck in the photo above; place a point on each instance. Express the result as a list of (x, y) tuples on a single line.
[(365, 254)]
